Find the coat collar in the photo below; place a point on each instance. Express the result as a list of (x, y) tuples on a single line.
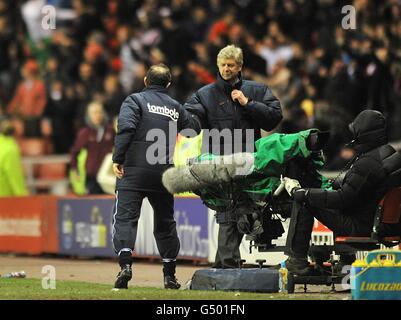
[(226, 86), (155, 88)]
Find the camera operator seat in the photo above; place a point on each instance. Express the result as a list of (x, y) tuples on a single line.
[(386, 231), (386, 227)]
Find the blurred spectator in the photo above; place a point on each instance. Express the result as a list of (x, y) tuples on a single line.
[(278, 81), (113, 95), (86, 21), (12, 181), (64, 49), (29, 100), (86, 87), (95, 55), (249, 43), (130, 53), (98, 139), (337, 88), (60, 110), (88, 83), (202, 56), (220, 28), (52, 72), (275, 47), (197, 25), (172, 35), (381, 84)]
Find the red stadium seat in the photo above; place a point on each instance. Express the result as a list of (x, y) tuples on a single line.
[(52, 171), (388, 212), (32, 146)]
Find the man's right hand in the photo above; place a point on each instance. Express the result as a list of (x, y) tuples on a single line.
[(238, 95), (118, 170)]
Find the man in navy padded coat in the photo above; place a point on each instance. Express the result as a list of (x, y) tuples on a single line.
[(232, 104), (142, 153)]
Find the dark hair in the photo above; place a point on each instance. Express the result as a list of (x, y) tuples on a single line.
[(158, 74)]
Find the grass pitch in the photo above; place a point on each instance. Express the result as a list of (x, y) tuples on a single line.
[(31, 289)]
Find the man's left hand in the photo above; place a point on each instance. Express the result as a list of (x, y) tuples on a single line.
[(291, 185), (240, 97), (118, 170)]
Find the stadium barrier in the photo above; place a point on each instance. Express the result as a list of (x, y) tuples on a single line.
[(28, 224), (86, 228), (82, 226)]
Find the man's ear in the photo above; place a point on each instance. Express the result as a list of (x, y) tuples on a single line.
[(145, 81), (168, 84)]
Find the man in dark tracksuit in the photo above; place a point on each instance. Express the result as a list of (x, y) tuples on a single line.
[(349, 209), (139, 167), (232, 103)]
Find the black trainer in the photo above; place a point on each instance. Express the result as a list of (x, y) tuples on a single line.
[(170, 282), (123, 277), (298, 266)]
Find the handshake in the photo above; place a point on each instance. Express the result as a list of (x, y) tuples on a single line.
[(293, 188)]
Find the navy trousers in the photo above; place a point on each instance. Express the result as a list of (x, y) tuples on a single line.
[(127, 209)]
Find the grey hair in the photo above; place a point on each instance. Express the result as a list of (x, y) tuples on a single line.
[(231, 52), (87, 118)]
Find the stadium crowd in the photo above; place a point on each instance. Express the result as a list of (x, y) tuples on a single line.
[(99, 51)]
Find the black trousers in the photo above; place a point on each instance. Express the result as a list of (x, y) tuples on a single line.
[(228, 243), (301, 224), (127, 209)]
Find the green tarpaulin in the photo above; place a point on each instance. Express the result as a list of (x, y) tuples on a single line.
[(271, 156)]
